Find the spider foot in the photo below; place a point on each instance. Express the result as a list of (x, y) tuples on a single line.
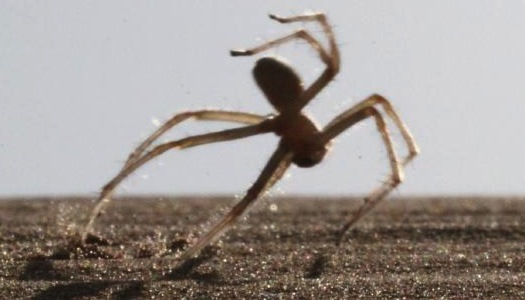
[(306, 17), (340, 234), (241, 52), (277, 18), (91, 238)]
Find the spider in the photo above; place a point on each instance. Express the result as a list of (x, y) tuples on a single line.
[(302, 142)]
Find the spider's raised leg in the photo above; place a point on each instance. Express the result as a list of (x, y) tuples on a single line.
[(131, 166), (330, 58), (272, 172), (299, 34), (332, 64), (356, 114)]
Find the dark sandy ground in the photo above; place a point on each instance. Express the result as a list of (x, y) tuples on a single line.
[(452, 248)]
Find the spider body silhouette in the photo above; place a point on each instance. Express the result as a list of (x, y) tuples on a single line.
[(283, 89), (301, 141)]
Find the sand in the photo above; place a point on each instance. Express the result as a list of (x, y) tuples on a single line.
[(453, 248)]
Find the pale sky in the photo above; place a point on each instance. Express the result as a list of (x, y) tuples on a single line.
[(82, 83)]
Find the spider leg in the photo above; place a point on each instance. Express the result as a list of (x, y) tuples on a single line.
[(335, 126), (272, 172), (299, 34), (366, 112), (205, 115), (355, 114), (371, 200), (192, 141), (327, 29), (332, 65), (330, 58)]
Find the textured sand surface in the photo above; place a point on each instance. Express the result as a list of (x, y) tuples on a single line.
[(454, 248)]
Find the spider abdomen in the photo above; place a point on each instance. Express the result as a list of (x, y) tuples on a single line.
[(279, 83)]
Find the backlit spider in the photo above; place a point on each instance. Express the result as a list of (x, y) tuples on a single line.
[(301, 141)]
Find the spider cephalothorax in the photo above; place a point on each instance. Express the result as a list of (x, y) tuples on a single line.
[(302, 141)]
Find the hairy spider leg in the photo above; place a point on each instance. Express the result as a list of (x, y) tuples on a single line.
[(390, 111), (201, 115), (331, 59), (192, 141), (272, 172), (350, 117)]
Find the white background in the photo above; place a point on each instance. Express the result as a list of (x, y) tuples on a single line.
[(82, 83)]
